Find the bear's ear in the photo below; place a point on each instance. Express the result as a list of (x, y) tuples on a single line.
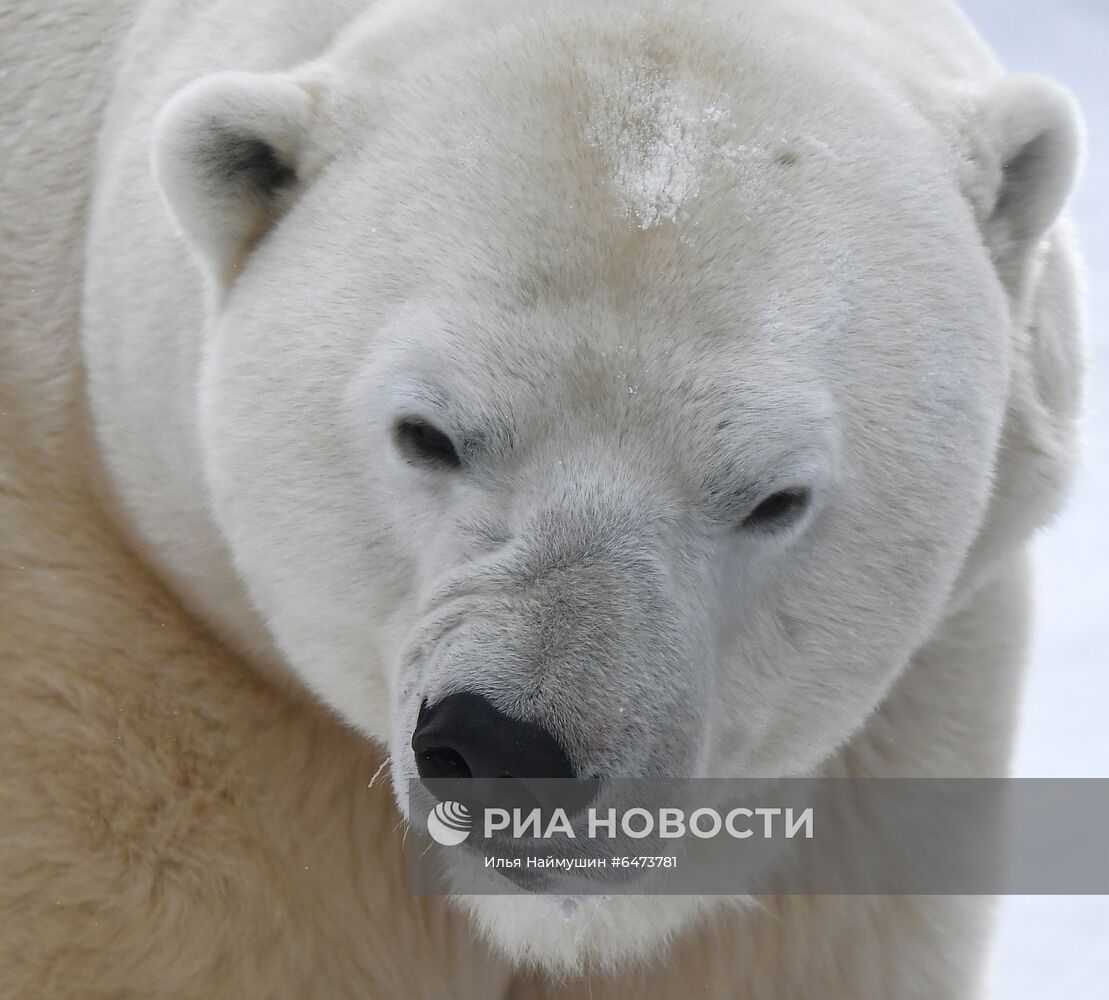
[(1027, 139), (227, 155)]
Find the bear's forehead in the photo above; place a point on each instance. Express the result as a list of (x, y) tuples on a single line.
[(615, 165), (620, 148)]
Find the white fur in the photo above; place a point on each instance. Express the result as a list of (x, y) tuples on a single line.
[(648, 263)]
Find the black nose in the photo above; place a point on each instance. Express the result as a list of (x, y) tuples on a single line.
[(465, 736)]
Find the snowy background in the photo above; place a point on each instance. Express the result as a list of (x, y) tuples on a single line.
[(1059, 946)]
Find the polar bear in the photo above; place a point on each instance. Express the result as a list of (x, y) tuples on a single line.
[(681, 383)]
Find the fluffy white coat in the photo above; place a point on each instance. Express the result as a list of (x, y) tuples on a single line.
[(648, 264)]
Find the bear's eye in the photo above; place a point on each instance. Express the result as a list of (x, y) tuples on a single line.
[(779, 510), (422, 442)]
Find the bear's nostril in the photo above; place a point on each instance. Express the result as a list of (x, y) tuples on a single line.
[(464, 736), (442, 762)]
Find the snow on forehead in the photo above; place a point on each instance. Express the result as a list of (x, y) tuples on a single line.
[(659, 136), (662, 133)]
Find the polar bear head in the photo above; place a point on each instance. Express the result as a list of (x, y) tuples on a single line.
[(657, 388)]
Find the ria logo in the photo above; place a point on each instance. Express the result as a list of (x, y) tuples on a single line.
[(449, 823)]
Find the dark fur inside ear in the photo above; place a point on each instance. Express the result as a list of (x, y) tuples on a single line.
[(227, 154), (249, 161), (1021, 174)]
